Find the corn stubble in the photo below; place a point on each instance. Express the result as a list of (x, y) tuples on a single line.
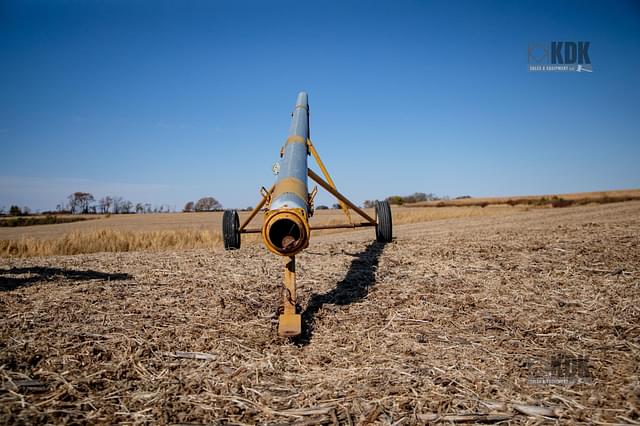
[(448, 323)]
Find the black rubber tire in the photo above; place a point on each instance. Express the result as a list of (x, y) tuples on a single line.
[(231, 230), (383, 217)]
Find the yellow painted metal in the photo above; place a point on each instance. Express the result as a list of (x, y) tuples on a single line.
[(327, 176), (342, 226), (257, 209), (298, 217), (339, 196), (290, 322), (290, 184), (294, 139), (291, 139), (312, 197)]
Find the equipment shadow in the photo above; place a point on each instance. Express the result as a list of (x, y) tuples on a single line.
[(41, 273), (353, 288)]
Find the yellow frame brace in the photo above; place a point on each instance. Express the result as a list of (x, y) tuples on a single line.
[(257, 208), (340, 197), (325, 172)]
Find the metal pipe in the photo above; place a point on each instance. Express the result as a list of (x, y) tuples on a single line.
[(291, 186), (286, 228)]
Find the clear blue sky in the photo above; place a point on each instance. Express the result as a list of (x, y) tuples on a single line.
[(165, 102)]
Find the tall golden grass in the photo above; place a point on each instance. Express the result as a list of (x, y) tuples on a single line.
[(181, 233), (107, 240), (202, 230)]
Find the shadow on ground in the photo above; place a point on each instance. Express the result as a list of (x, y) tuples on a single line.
[(34, 274), (353, 288)]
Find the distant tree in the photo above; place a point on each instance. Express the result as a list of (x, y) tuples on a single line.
[(126, 206), (408, 199), (322, 207), (189, 207), (79, 202), (420, 196), (395, 199), (117, 203), (369, 204), (335, 206), (207, 204), (2, 210), (104, 204), (148, 208), (15, 211), (26, 211), (139, 208)]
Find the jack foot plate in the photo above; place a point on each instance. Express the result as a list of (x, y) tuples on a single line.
[(290, 325)]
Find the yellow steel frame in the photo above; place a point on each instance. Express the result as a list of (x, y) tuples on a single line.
[(290, 321), (331, 189), (325, 172), (255, 211)]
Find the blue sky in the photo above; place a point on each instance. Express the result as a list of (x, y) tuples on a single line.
[(165, 102)]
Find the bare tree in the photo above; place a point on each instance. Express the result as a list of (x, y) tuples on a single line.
[(104, 204), (79, 202), (189, 207), (207, 204), (117, 204), (139, 208), (126, 206)]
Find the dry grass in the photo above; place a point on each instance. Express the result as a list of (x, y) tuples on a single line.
[(182, 231), (107, 240), (202, 230), (446, 324)]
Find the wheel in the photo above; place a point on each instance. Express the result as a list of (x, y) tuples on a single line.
[(231, 230), (383, 217)]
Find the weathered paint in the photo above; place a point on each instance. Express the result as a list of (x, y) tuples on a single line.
[(294, 161)]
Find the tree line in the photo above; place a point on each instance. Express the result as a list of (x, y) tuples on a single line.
[(204, 204), (81, 202), (399, 200), (86, 203)]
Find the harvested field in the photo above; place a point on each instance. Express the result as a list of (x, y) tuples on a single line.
[(456, 320), (181, 230)]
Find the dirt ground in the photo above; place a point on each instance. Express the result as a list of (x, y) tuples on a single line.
[(525, 318)]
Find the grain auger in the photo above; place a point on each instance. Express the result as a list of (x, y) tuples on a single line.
[(288, 206)]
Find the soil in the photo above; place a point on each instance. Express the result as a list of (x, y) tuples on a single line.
[(524, 318)]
